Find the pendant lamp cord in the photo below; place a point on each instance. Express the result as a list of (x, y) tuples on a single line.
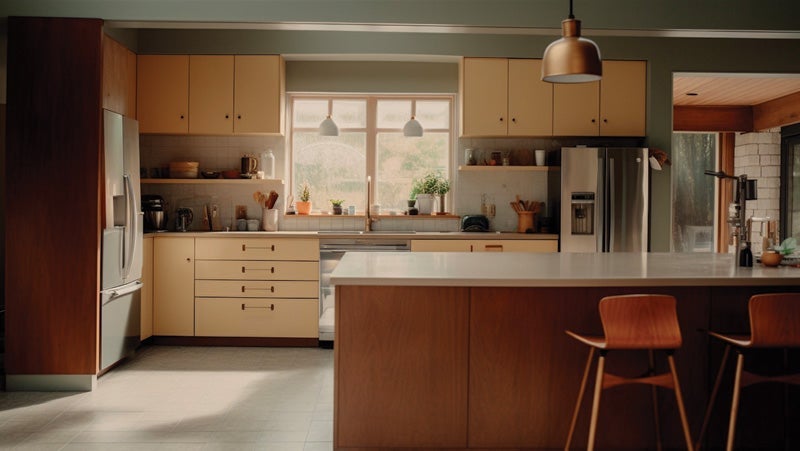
[(571, 16)]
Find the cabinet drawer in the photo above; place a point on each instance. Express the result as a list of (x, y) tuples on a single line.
[(226, 317), (255, 270), (256, 249), (256, 289), (515, 246)]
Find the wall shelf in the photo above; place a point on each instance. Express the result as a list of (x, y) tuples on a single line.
[(208, 181), (484, 168)]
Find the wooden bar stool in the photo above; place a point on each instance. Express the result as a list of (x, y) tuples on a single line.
[(633, 322), (774, 324)]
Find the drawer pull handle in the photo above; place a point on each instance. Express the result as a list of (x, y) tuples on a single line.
[(271, 307), (243, 270), (272, 270), (244, 248), (271, 289)]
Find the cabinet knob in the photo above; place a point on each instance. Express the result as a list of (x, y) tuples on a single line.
[(605, 121), (188, 259), (181, 116), (227, 116), (513, 119), (238, 116), (594, 120), (501, 119)]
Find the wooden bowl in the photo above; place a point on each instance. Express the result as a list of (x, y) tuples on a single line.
[(230, 174), (771, 259)]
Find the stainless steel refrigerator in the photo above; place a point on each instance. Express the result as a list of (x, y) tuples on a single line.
[(121, 276), (604, 199)]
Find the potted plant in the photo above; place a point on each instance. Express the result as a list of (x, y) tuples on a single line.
[(442, 188), (431, 184), (304, 204), (336, 204)]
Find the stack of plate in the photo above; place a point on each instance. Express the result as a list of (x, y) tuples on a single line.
[(183, 169)]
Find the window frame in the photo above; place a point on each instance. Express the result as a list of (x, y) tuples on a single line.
[(372, 130)]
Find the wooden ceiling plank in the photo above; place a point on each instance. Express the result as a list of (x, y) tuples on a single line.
[(712, 118)]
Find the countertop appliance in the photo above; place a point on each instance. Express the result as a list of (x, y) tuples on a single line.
[(474, 223), (604, 199), (155, 213), (122, 241), (330, 252)]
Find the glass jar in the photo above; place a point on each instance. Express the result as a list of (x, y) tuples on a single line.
[(469, 157)]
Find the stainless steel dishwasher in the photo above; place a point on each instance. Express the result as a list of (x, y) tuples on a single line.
[(330, 252)]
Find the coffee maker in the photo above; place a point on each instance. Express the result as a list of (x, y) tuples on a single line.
[(155, 213)]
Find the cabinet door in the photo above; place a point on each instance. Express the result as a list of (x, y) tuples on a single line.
[(576, 107), (173, 286), (441, 246), (211, 94), (119, 78), (257, 249), (530, 245), (259, 94), (256, 270), (257, 288), (485, 97), (623, 98), (163, 93), (530, 100), (146, 327)]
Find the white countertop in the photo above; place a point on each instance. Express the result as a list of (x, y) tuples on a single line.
[(337, 234), (553, 270)]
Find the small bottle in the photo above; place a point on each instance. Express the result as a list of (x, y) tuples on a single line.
[(268, 164), (746, 256)]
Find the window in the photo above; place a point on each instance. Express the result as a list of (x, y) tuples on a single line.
[(370, 143), (693, 192)]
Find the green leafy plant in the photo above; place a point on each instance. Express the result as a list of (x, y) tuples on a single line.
[(786, 247), (305, 192), (430, 183), (337, 202)]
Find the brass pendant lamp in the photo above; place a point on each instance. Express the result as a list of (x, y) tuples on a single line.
[(571, 59)]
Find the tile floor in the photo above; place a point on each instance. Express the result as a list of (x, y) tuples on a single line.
[(185, 398)]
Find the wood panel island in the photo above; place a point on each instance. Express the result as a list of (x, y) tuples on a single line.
[(468, 351)]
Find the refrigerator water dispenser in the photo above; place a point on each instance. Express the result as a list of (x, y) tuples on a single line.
[(582, 213)]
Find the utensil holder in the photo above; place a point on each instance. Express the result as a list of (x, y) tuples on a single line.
[(524, 221), (269, 219)]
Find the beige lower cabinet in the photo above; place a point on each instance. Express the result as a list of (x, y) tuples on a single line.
[(173, 286), (484, 245), (257, 287), (225, 317), (146, 324)]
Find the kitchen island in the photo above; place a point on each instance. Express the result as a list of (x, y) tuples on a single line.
[(465, 351)]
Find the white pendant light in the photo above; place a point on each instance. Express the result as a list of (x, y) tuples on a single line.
[(571, 59), (327, 127), (413, 128)]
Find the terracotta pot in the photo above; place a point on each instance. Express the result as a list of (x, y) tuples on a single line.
[(771, 258), (303, 208)]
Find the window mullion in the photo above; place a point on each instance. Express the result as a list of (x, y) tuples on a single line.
[(372, 142)]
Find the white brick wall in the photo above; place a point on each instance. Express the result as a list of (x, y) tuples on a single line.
[(758, 156)]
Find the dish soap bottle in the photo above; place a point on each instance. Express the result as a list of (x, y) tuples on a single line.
[(268, 164), (746, 256)]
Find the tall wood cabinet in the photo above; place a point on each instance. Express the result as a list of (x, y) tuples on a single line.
[(613, 106), (505, 97), (163, 93), (119, 78)]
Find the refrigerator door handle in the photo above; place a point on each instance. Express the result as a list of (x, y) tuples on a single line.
[(116, 293), (130, 225)]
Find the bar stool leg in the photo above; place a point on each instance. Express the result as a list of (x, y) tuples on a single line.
[(651, 370), (598, 388), (581, 392), (712, 398), (679, 398), (737, 382)]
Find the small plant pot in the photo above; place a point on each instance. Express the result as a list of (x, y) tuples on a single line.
[(303, 208), (337, 209), (771, 259)]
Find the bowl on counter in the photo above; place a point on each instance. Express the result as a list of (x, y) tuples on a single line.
[(771, 259), (210, 174), (183, 169)]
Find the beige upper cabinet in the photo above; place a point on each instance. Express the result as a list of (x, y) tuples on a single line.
[(210, 94), (219, 94), (614, 106), (623, 98), (505, 97), (259, 94), (119, 78), (485, 96), (530, 99), (163, 93)]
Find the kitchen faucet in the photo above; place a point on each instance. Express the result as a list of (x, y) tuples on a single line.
[(369, 219), (744, 189)]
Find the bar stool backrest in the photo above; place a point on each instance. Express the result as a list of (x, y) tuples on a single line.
[(640, 321), (775, 320)]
